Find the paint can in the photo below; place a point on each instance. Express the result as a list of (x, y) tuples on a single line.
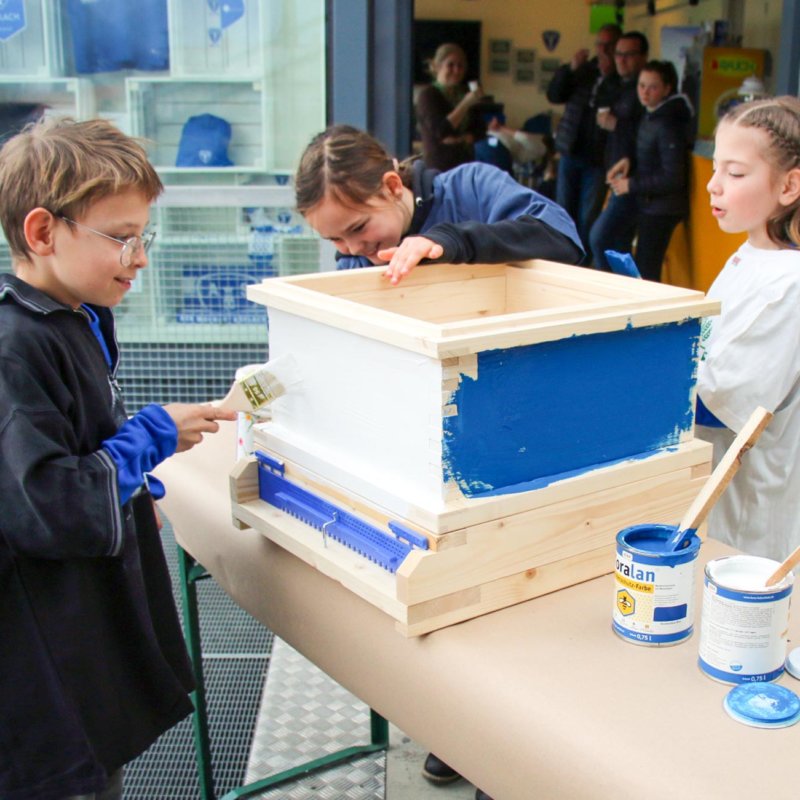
[(743, 625), (654, 588)]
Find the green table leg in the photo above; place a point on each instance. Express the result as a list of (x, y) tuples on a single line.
[(190, 572)]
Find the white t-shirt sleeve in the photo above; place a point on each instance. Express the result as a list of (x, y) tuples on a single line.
[(751, 355)]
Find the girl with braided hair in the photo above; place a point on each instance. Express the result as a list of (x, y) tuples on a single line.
[(750, 354)]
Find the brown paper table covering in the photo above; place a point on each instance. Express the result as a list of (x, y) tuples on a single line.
[(539, 700)]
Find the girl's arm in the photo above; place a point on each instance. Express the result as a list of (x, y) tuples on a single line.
[(481, 243), (502, 221)]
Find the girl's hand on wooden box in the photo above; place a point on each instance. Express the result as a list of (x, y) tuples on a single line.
[(403, 258)]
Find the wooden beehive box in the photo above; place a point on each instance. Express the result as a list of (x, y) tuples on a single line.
[(516, 416)]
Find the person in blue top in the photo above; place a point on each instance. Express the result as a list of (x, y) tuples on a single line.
[(378, 211), (92, 662)]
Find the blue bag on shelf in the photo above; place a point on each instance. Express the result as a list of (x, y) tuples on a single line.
[(204, 142), (112, 35)]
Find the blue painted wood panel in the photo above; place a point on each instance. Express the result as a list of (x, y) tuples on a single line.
[(544, 411)]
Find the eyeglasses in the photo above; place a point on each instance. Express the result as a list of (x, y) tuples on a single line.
[(130, 246), (628, 54)]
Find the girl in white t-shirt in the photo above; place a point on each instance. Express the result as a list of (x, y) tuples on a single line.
[(750, 354)]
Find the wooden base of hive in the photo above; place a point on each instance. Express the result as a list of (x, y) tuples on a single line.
[(557, 536)]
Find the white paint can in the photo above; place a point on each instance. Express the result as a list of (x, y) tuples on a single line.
[(744, 624), (654, 587)]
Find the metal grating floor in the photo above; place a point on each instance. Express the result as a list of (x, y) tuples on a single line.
[(306, 715), (269, 709)]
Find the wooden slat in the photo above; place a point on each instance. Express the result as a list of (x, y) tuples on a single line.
[(544, 535), (450, 609), (369, 581), (479, 297), (415, 315), (495, 564)]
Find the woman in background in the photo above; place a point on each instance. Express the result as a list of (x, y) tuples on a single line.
[(443, 111)]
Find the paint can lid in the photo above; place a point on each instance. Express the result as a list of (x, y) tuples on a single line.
[(793, 663), (763, 705)]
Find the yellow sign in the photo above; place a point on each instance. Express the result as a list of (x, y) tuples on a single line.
[(724, 69), (735, 66)]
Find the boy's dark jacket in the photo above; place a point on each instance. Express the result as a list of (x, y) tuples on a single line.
[(92, 663)]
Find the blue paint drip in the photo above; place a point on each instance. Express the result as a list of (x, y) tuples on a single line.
[(542, 412)]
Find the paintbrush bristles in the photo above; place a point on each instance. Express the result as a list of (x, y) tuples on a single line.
[(261, 385)]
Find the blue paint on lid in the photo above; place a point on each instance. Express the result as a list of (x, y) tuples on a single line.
[(541, 412), (763, 705), (648, 545)]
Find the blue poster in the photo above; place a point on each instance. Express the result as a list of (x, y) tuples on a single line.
[(12, 18)]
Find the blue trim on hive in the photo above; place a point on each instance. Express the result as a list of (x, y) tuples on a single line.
[(382, 548)]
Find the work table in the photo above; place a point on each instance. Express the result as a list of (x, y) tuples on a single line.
[(538, 700)]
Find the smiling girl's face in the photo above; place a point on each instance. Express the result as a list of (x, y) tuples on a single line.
[(363, 230)]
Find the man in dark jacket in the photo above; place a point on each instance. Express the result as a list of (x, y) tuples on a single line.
[(580, 143), (615, 227)]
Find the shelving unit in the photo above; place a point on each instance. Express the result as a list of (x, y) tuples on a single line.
[(217, 38), (159, 109), (30, 39), (190, 316), (259, 65), (73, 97)]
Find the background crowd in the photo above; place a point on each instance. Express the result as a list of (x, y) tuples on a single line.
[(618, 161)]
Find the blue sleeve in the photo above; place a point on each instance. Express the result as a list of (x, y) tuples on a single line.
[(142, 443), (485, 216), (352, 262), (702, 416)]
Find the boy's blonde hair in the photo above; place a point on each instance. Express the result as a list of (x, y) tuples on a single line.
[(779, 118), (66, 166)]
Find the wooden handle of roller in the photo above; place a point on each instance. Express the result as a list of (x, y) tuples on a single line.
[(725, 470), (785, 568)]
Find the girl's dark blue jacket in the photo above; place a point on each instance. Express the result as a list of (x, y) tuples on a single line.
[(92, 662), (480, 215)]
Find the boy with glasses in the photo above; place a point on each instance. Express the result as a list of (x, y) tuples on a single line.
[(92, 665)]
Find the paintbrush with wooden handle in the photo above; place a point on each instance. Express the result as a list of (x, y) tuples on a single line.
[(257, 388)]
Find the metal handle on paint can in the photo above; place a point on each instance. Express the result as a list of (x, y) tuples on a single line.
[(720, 477)]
